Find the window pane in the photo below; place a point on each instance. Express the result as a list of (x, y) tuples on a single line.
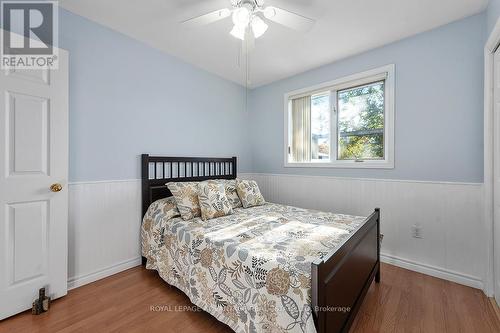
[(361, 122), (320, 127)]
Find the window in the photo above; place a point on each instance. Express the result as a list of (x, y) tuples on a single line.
[(344, 123)]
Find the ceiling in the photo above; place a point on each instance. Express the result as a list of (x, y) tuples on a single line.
[(343, 28)]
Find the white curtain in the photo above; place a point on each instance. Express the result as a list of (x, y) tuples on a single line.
[(301, 129)]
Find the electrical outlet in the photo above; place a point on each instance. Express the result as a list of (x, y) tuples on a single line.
[(416, 231)]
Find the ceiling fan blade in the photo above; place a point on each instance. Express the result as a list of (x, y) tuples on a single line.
[(289, 19), (207, 18)]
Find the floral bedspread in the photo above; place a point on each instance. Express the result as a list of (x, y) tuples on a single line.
[(251, 270)]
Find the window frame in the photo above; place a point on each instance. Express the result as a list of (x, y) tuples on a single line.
[(351, 81)]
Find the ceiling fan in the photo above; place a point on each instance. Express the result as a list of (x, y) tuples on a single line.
[(247, 16)]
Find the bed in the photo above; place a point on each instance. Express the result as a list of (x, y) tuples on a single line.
[(270, 268)]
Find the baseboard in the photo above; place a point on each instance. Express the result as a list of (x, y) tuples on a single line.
[(494, 304), (79, 281), (389, 259), (441, 273)]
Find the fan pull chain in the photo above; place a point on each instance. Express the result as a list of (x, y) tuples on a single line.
[(247, 74)]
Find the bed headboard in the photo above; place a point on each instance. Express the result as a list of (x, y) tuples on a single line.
[(159, 170)]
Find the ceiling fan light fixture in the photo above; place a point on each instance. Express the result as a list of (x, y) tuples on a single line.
[(241, 17), (238, 32), (259, 27), (269, 12)]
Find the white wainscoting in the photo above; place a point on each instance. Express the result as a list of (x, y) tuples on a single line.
[(105, 217), (104, 229), (453, 246)]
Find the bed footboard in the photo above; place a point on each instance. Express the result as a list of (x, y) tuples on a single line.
[(341, 280)]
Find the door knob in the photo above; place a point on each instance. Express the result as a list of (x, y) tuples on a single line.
[(56, 187)]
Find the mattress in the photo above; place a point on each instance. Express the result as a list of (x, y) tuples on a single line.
[(252, 269)]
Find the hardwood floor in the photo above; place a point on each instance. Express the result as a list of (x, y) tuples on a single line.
[(138, 300), (406, 301)]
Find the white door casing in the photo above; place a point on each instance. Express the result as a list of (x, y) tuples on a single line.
[(496, 173), (33, 156)]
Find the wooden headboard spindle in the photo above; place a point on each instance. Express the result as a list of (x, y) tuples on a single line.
[(159, 170)]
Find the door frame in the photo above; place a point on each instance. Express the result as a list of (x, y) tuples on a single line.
[(491, 46)]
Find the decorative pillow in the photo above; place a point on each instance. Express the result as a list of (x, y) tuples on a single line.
[(231, 193), (186, 197), (168, 207), (249, 193), (213, 199)]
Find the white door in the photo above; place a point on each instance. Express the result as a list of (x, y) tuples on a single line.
[(33, 156), (496, 175)]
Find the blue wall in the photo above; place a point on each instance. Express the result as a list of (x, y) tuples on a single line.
[(438, 112), (127, 98), (492, 13)]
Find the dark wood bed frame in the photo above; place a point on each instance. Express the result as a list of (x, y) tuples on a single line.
[(339, 281)]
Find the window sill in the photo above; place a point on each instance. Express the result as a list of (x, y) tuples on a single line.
[(343, 165)]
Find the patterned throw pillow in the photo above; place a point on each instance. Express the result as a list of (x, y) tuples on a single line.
[(186, 197), (168, 207), (231, 193), (213, 199), (249, 193)]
